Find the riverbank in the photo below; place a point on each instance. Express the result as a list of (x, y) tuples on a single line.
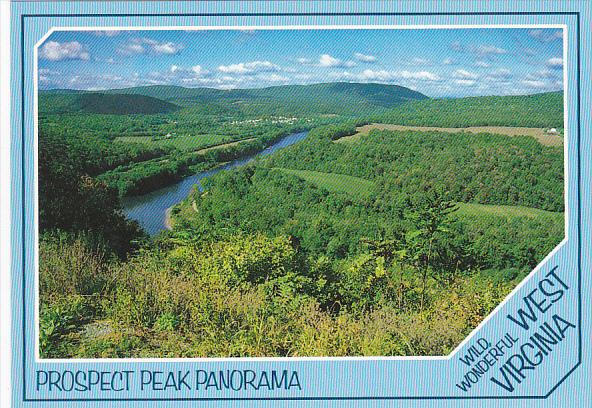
[(153, 210)]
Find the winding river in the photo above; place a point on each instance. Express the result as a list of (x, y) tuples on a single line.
[(150, 210)]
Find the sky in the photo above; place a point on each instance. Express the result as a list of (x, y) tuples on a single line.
[(436, 62)]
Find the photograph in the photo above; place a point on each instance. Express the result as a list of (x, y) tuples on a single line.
[(291, 191)]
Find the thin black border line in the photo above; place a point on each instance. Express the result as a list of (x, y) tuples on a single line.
[(578, 171)]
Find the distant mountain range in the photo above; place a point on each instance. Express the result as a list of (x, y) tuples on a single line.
[(335, 97)]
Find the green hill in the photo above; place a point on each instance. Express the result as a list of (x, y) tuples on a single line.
[(539, 110), (171, 92), (327, 98), (376, 94), (92, 102), (339, 98), (334, 93)]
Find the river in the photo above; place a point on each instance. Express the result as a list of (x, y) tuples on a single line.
[(150, 210)]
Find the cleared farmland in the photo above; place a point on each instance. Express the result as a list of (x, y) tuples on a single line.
[(540, 134)]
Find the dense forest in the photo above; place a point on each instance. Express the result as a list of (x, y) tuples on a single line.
[(136, 154), (540, 110), (392, 243), (95, 102)]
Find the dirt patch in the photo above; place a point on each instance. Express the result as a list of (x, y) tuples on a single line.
[(168, 219), (547, 139)]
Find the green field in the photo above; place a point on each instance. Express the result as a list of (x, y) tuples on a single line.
[(332, 182), (359, 187), (184, 142), (509, 211)]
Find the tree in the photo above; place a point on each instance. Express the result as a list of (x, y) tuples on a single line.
[(427, 241), (72, 201), (391, 251)]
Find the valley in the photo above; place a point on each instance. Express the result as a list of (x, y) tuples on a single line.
[(336, 219)]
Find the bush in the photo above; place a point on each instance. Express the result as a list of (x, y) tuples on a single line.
[(72, 264)]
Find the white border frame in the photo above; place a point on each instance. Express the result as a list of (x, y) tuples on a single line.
[(567, 141)]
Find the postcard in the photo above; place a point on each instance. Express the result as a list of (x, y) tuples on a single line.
[(303, 203)]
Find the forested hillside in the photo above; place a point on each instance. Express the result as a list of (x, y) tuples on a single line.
[(334, 95), (53, 102), (484, 168), (539, 110), (331, 98)]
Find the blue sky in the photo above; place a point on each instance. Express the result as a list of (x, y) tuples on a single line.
[(436, 62)]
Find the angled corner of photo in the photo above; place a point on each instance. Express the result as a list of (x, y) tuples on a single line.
[(285, 191)]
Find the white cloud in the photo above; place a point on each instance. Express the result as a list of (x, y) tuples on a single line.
[(131, 49), (158, 47), (555, 63), (249, 67), (464, 74), (143, 45), (235, 68), (364, 57), (465, 82), (387, 76), (534, 84), (166, 48), (178, 72), (326, 60), (198, 70), (448, 61), (545, 35), (482, 64), (55, 51), (273, 78), (420, 75)]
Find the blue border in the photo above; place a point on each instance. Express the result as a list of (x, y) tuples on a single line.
[(334, 398)]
